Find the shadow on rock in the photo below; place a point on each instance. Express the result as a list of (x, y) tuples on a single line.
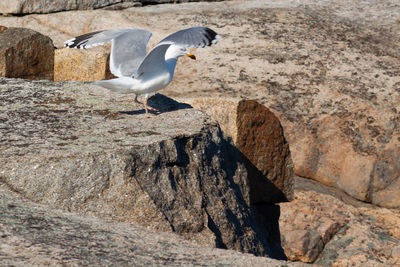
[(160, 102), (198, 184), (266, 214)]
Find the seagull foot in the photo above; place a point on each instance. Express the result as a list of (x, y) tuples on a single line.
[(152, 109)]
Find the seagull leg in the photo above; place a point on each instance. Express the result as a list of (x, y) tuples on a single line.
[(145, 107), (136, 100)]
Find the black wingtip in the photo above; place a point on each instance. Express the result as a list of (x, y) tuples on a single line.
[(212, 36), (80, 41)]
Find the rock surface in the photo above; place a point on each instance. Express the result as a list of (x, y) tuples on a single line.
[(329, 228), (25, 53), (32, 235), (326, 69), (258, 135), (335, 92), (23, 7), (81, 148), (82, 65), (20, 7)]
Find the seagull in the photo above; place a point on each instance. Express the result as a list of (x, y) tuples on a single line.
[(136, 70)]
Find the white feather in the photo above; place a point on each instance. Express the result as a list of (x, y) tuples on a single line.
[(122, 85)]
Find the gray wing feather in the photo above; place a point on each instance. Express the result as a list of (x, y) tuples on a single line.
[(193, 37), (127, 50), (154, 60)]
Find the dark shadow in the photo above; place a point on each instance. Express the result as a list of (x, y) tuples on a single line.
[(223, 184), (268, 217), (269, 194), (264, 216), (265, 212), (160, 102), (219, 243)]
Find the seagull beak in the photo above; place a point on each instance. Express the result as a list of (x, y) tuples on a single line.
[(191, 56)]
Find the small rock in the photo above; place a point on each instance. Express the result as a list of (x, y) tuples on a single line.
[(82, 64), (303, 245), (27, 54), (259, 136)]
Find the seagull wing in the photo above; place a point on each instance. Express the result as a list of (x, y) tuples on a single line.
[(128, 47), (192, 37), (154, 61)]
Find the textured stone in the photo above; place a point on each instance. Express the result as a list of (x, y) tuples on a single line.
[(19, 7), (25, 53), (123, 5), (327, 72), (82, 65), (327, 227), (34, 235), (338, 107), (258, 135), (304, 245), (396, 255), (81, 148)]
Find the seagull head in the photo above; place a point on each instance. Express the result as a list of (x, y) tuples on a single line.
[(176, 51)]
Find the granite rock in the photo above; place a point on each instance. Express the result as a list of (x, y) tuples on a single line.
[(35, 235), (327, 227), (82, 65), (329, 76), (79, 147), (335, 92), (258, 135), (23, 7), (25, 53), (20, 7)]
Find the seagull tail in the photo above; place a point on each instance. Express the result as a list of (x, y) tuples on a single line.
[(122, 85)]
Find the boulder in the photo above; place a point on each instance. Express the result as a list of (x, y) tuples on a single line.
[(79, 147), (258, 135), (35, 235), (20, 7), (25, 53), (327, 227), (82, 65)]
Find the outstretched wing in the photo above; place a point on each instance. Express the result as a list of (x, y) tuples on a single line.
[(128, 47), (192, 37), (154, 61)]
